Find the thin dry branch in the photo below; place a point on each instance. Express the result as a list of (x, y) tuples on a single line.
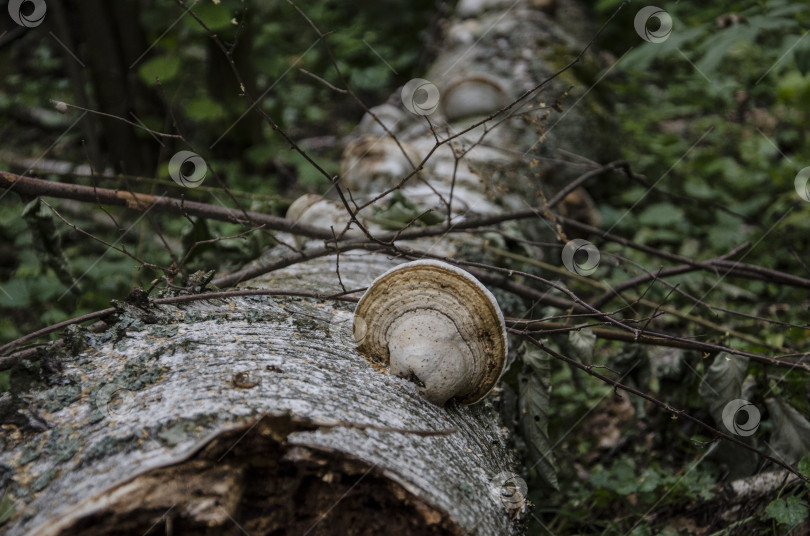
[(143, 202), (677, 413)]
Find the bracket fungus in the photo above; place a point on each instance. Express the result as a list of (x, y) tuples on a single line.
[(437, 324), (314, 210), (375, 163), (474, 95), (392, 117)]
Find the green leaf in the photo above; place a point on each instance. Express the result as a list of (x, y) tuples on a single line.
[(641, 529), (661, 215), (641, 57), (804, 466), (205, 109), (790, 438), (620, 478), (792, 87), (7, 509), (47, 241), (719, 44), (649, 480), (402, 211), (216, 15), (534, 406), (15, 293), (581, 344), (723, 383), (802, 57), (789, 511), (163, 67)]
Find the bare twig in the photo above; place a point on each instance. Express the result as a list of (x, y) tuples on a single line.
[(142, 202), (678, 413)]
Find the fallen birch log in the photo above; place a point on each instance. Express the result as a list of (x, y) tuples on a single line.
[(258, 414)]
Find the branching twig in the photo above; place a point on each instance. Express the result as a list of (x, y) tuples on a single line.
[(142, 202), (678, 413)]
